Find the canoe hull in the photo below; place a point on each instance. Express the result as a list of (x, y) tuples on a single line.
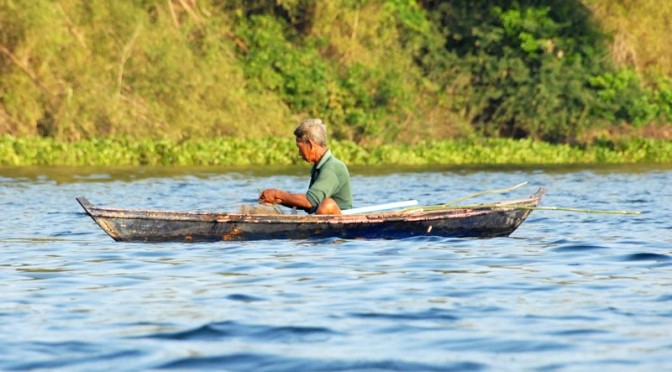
[(161, 226)]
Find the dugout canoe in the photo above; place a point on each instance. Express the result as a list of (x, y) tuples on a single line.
[(480, 221)]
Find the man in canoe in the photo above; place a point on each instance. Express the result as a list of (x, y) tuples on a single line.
[(329, 189)]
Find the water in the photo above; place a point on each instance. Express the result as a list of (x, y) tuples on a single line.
[(566, 291)]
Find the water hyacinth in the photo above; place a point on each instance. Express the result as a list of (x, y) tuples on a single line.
[(223, 151)]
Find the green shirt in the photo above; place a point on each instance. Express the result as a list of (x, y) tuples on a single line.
[(329, 178)]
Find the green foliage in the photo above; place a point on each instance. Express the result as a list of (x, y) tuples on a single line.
[(526, 64), (622, 99), (297, 74), (377, 71), (272, 151), (662, 96), (359, 100)]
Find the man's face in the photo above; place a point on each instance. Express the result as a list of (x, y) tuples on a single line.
[(304, 149)]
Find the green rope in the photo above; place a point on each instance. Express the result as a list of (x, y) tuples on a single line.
[(595, 211), (500, 191), (450, 204), (453, 202), (505, 206)]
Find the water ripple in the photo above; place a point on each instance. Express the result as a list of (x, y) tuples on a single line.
[(566, 291), (577, 248), (578, 332), (431, 314), (645, 257), (48, 356), (225, 330), (264, 362), (243, 298)]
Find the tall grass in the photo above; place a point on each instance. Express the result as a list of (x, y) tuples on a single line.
[(73, 70), (640, 33)]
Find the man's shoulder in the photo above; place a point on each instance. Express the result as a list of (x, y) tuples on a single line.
[(336, 164)]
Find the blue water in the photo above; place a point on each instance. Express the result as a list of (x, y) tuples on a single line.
[(567, 291)]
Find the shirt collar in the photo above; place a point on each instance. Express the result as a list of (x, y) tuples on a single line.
[(324, 159)]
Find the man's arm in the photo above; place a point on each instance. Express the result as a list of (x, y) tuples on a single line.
[(324, 187), (274, 196)]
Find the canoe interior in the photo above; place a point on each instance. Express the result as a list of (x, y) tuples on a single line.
[(492, 220)]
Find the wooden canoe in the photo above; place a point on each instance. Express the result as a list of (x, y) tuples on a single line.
[(485, 221)]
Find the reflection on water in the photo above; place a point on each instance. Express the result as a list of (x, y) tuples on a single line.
[(566, 291)]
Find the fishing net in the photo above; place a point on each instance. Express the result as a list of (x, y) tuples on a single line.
[(260, 209)]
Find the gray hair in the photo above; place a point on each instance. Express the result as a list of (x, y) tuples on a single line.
[(312, 130)]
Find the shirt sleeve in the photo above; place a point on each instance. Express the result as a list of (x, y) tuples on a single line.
[(324, 187)]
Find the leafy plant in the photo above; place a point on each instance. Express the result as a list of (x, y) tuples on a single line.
[(621, 98), (527, 63)]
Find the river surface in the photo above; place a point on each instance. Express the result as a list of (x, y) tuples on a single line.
[(566, 291)]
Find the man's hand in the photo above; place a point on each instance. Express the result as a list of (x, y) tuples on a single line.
[(275, 196), (270, 196)]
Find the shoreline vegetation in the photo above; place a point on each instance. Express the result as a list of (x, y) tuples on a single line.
[(276, 151), (408, 82)]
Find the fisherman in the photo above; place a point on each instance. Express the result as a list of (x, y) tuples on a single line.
[(329, 189)]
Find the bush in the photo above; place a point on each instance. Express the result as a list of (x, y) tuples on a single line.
[(527, 65), (622, 99)]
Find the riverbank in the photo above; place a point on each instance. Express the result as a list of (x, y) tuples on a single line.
[(176, 69), (272, 151)]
